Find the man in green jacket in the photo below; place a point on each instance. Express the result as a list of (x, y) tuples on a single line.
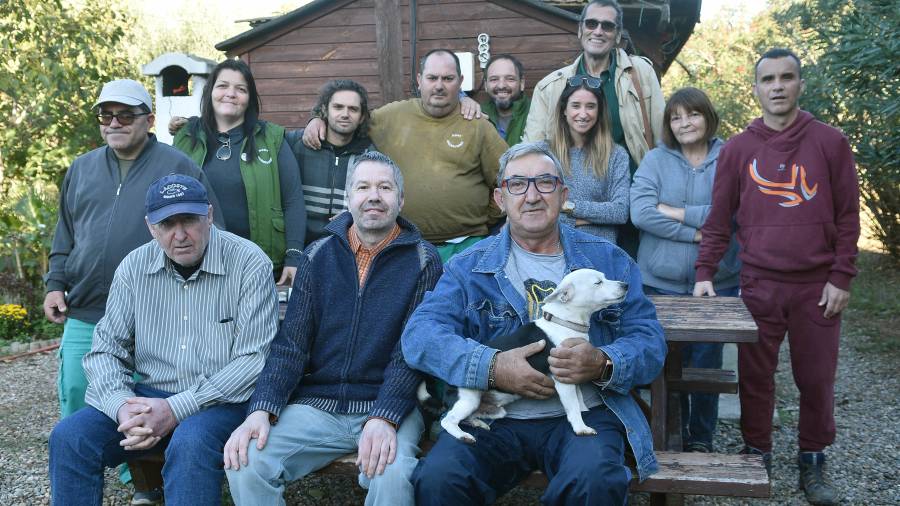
[(504, 82)]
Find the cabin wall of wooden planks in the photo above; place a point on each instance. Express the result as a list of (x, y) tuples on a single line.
[(291, 67)]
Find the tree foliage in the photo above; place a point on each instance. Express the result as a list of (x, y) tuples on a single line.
[(719, 59), (53, 59)]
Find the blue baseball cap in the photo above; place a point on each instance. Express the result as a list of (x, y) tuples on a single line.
[(175, 194)]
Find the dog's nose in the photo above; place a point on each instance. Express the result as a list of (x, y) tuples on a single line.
[(625, 286)]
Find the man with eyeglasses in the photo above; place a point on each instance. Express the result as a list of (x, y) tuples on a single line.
[(491, 290), (629, 83), (101, 220)]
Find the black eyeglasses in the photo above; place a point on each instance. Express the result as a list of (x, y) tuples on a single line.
[(224, 151), (518, 185), (124, 118), (590, 82), (607, 26)]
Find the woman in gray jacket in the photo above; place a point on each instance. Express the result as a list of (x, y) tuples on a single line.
[(670, 200)]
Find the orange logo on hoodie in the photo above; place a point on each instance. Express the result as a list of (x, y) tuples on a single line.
[(786, 190)]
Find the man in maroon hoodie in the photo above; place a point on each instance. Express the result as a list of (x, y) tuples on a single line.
[(789, 182)]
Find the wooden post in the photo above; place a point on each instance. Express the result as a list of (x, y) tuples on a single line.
[(389, 47)]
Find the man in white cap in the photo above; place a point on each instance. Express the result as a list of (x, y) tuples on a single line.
[(191, 313), (101, 220)]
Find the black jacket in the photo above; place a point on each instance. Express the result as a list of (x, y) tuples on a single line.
[(324, 173)]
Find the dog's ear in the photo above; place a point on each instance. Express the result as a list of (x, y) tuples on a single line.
[(563, 293)]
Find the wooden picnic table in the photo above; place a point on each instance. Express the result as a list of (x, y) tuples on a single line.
[(693, 320)]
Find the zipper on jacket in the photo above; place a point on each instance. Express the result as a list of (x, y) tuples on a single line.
[(356, 313), (337, 161)]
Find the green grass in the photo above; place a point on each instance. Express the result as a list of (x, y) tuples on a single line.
[(872, 320)]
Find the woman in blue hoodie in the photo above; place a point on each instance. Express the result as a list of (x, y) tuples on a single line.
[(670, 200)]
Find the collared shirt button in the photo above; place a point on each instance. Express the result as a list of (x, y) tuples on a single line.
[(183, 347), (185, 286), (184, 317)]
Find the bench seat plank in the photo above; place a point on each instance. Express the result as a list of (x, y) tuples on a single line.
[(679, 473), (711, 381)]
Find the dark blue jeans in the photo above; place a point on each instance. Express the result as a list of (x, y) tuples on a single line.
[(581, 469), (85, 442), (699, 412)]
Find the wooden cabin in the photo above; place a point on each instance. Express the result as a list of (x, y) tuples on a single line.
[(373, 41)]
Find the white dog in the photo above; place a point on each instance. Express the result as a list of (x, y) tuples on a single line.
[(566, 314)]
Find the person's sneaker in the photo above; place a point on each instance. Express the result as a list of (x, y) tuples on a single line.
[(813, 482), (767, 457), (154, 496), (698, 447)]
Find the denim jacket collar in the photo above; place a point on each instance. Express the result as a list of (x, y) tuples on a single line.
[(496, 253)]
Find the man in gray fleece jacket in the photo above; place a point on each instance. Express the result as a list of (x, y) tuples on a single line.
[(101, 219)]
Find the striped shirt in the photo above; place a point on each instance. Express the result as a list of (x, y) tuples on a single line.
[(363, 255), (204, 339)]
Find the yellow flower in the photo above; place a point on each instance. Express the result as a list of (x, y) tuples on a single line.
[(13, 312)]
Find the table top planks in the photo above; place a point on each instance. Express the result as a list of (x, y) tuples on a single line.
[(688, 319), (705, 319)]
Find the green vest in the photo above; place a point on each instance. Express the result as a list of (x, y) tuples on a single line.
[(261, 182), (517, 123)]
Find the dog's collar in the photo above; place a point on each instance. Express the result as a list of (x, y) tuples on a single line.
[(566, 323)]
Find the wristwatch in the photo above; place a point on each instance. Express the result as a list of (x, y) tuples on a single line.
[(568, 207)]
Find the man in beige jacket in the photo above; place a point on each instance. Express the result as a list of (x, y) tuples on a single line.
[(629, 84)]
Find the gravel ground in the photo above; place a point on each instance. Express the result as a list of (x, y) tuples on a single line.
[(864, 461)]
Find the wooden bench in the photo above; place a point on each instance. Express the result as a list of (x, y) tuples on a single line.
[(679, 473), (684, 319)]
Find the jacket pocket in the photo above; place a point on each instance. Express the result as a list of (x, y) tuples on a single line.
[(669, 261), (278, 219), (492, 319), (788, 248)]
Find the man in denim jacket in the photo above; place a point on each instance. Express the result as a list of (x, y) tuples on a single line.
[(497, 286)]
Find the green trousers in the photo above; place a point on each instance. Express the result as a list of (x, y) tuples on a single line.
[(446, 250), (71, 382)]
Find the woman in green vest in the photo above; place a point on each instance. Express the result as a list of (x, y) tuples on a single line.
[(249, 166)]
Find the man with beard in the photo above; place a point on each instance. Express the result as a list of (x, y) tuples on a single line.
[(344, 106), (508, 106)]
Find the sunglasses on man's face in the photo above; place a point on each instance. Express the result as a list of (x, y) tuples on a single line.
[(124, 118), (591, 24)]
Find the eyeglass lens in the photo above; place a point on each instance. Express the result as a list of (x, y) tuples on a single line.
[(224, 151), (519, 185), (607, 26), (124, 118)]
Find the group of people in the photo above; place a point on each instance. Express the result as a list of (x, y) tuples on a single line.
[(414, 234)]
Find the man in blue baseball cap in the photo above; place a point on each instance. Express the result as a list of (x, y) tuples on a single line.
[(191, 313)]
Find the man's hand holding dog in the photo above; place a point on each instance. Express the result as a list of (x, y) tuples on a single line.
[(576, 361), (513, 374), (377, 447), (256, 426)]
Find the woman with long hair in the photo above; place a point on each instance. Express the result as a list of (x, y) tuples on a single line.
[(594, 168), (249, 165), (670, 200)]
